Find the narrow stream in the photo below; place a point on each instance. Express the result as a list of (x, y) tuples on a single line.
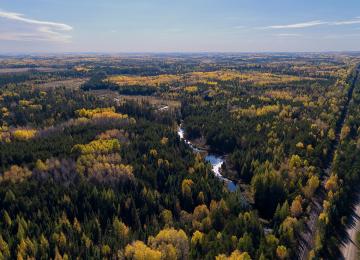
[(215, 160)]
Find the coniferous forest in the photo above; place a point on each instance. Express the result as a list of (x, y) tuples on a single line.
[(111, 156)]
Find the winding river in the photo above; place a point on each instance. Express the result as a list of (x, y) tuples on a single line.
[(215, 160)]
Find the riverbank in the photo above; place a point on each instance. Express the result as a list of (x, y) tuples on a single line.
[(217, 161)]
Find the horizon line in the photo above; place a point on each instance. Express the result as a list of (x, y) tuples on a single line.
[(10, 53)]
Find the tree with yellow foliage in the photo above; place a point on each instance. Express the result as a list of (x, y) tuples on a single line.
[(24, 134), (295, 161), (300, 145), (197, 238), (164, 140), (287, 228), (345, 131), (97, 147), (332, 183), (236, 255), (191, 89), (172, 243), (26, 249), (281, 252), (41, 166), (311, 186), (77, 225), (4, 249), (201, 219), (296, 208), (105, 250), (139, 251)]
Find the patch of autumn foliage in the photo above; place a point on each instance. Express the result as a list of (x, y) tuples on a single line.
[(24, 134), (151, 81), (108, 112), (254, 112), (191, 89), (210, 78), (167, 244), (15, 174), (100, 159)]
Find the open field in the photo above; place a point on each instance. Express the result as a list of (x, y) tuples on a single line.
[(74, 83), (151, 100)]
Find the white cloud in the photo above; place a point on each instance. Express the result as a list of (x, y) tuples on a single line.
[(356, 20), (288, 35), (296, 25), (32, 30), (348, 22)]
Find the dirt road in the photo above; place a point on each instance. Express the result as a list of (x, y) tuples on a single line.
[(308, 235), (350, 250)]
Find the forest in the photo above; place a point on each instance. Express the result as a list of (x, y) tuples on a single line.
[(92, 165)]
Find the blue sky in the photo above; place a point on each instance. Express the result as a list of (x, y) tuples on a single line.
[(179, 25)]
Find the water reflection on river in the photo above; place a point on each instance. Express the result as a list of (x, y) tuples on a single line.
[(216, 161)]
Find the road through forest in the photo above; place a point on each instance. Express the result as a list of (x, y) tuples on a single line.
[(307, 237), (350, 250)]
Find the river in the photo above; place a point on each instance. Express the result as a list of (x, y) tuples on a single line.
[(215, 160)]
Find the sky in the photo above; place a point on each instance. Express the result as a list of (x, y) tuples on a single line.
[(56, 26)]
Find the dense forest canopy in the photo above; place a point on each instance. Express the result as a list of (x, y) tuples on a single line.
[(92, 165)]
